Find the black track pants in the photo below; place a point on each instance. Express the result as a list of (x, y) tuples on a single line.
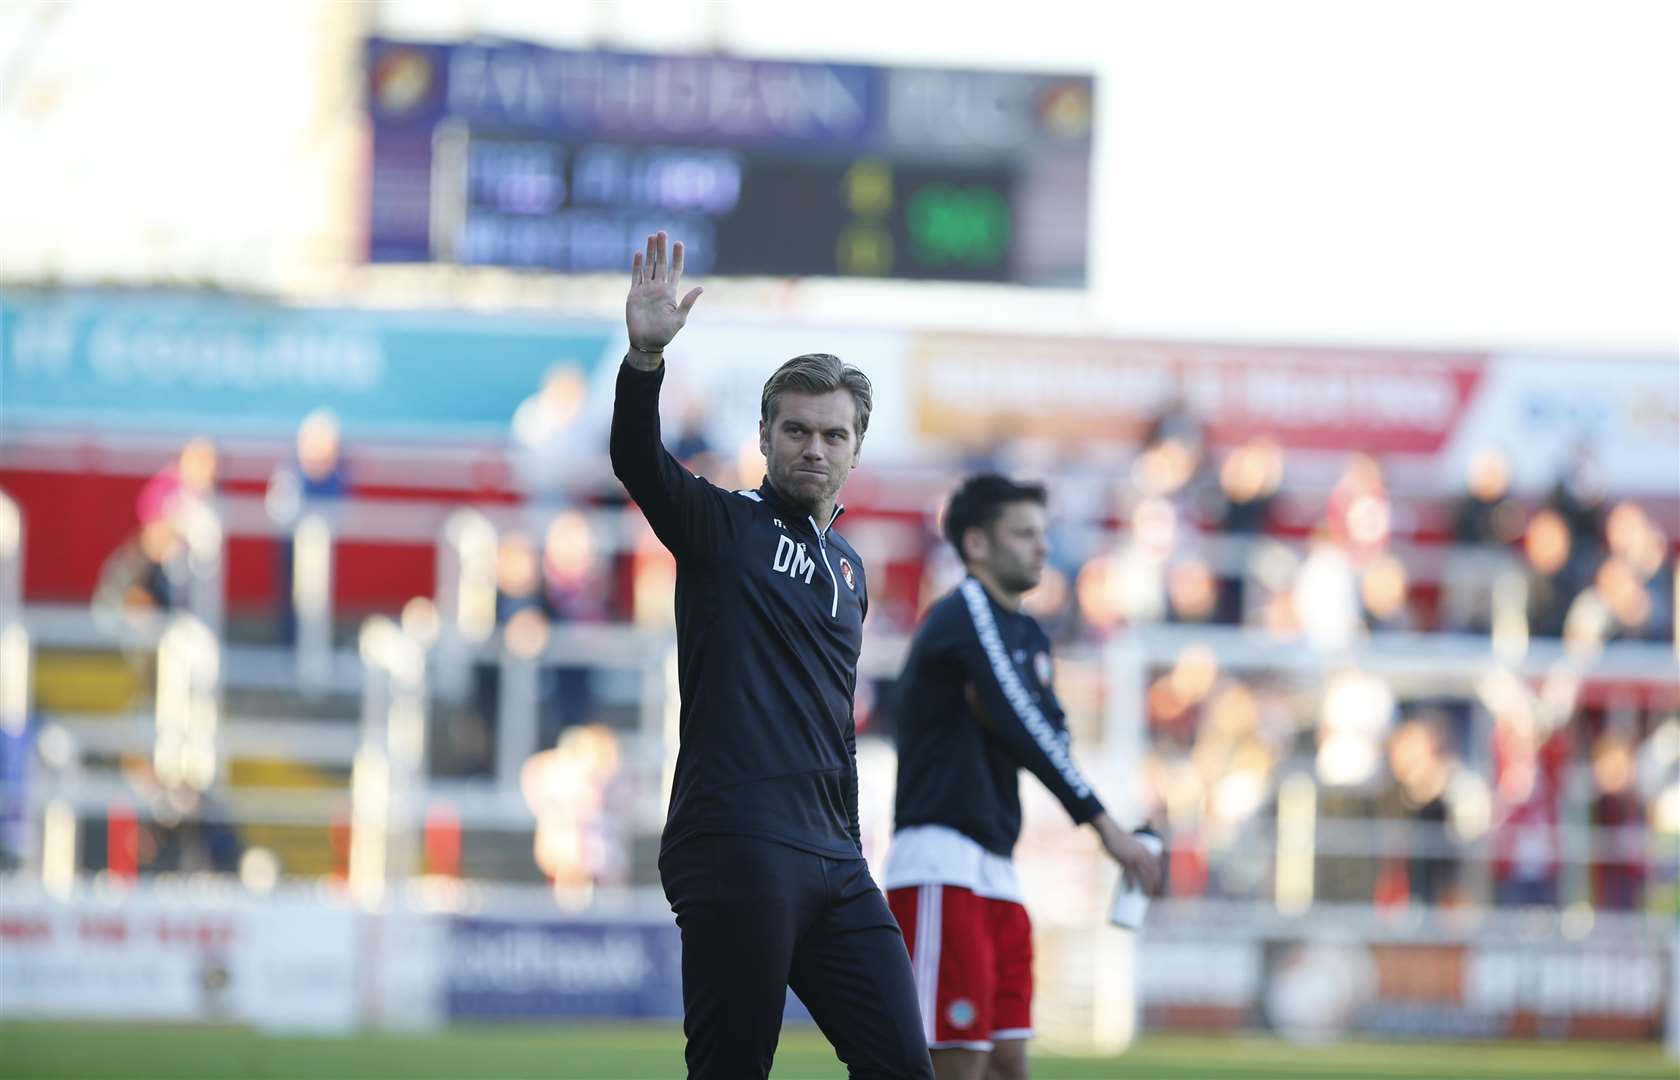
[(758, 917)]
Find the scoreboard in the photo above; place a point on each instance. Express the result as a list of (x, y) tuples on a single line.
[(517, 201), (520, 156)]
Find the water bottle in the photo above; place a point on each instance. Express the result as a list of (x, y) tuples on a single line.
[(1130, 901)]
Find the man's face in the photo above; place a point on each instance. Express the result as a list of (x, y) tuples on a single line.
[(1013, 549), (810, 446)]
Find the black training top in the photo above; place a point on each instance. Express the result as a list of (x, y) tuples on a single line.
[(974, 706), (770, 613)]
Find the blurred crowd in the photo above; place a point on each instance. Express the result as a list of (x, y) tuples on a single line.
[(1411, 778), (1189, 534)]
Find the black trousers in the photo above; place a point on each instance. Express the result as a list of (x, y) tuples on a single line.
[(758, 917)]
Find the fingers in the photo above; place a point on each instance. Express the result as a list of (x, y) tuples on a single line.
[(1145, 875), (661, 261), (1143, 868), (688, 301)]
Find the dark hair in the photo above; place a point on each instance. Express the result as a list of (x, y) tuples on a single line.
[(818, 373), (980, 502)]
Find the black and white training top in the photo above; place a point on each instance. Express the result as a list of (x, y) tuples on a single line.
[(972, 708), (770, 608)]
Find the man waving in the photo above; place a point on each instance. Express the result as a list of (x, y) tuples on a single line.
[(760, 858)]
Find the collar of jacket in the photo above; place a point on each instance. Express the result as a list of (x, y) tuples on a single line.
[(767, 491)]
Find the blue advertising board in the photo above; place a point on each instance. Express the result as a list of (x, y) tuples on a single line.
[(507, 969), (500, 969), (221, 365)]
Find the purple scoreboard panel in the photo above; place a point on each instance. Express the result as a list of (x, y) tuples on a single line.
[(516, 155)]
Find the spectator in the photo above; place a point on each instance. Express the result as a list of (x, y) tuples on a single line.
[(573, 586), (1161, 570), (188, 480), (1192, 592), (1618, 819), (523, 617), (693, 436), (1233, 762), (145, 577), (1557, 570), (519, 585), (1528, 795), (1383, 594), (191, 836), (314, 480), (558, 457), (577, 790), (1249, 480), (574, 590), (1578, 497), (1485, 521), (1634, 582), (699, 453), (1078, 515), (150, 573), (1421, 767), (1170, 480), (1360, 513), (1326, 600), (534, 592), (1486, 515), (1173, 450)]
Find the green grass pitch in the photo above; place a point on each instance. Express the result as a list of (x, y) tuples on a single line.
[(62, 1051)]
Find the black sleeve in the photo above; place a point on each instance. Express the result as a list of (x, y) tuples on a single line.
[(1007, 707), (851, 795), (686, 513), (851, 729)]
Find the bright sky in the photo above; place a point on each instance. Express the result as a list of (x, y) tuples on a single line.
[(1384, 172), (1415, 170)]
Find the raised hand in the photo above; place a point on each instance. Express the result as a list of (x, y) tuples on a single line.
[(652, 312)]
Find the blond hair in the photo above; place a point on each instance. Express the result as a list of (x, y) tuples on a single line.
[(818, 373)]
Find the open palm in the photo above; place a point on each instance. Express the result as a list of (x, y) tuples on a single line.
[(652, 312)]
